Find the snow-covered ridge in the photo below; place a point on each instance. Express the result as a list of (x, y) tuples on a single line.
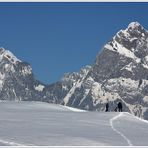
[(134, 25), (83, 73), (135, 117), (8, 55), (73, 109), (117, 47)]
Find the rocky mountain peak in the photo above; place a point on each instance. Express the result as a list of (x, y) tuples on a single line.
[(17, 81), (120, 73), (133, 36), (134, 25), (8, 56)]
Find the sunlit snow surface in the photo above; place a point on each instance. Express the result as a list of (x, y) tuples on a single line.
[(35, 124)]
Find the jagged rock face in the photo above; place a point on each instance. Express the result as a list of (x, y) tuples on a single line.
[(120, 73), (16, 79), (58, 92)]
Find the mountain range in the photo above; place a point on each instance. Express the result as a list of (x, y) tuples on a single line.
[(119, 73)]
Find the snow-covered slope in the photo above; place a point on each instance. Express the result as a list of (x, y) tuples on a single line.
[(36, 123)]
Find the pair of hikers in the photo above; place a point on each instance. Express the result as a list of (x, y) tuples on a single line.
[(118, 108)]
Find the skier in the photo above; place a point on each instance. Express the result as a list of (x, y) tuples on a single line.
[(120, 107), (107, 107)]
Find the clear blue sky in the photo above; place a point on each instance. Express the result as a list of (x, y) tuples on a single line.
[(56, 38)]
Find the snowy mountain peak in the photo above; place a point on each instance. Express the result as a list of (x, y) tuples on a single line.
[(136, 30), (132, 32), (131, 42), (7, 55), (17, 81), (120, 73), (134, 25)]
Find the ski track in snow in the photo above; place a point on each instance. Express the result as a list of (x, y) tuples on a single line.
[(118, 132), (10, 143)]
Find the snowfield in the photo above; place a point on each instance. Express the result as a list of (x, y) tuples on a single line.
[(43, 124)]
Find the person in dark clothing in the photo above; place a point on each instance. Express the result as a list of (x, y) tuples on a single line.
[(120, 107), (116, 109), (107, 107)]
